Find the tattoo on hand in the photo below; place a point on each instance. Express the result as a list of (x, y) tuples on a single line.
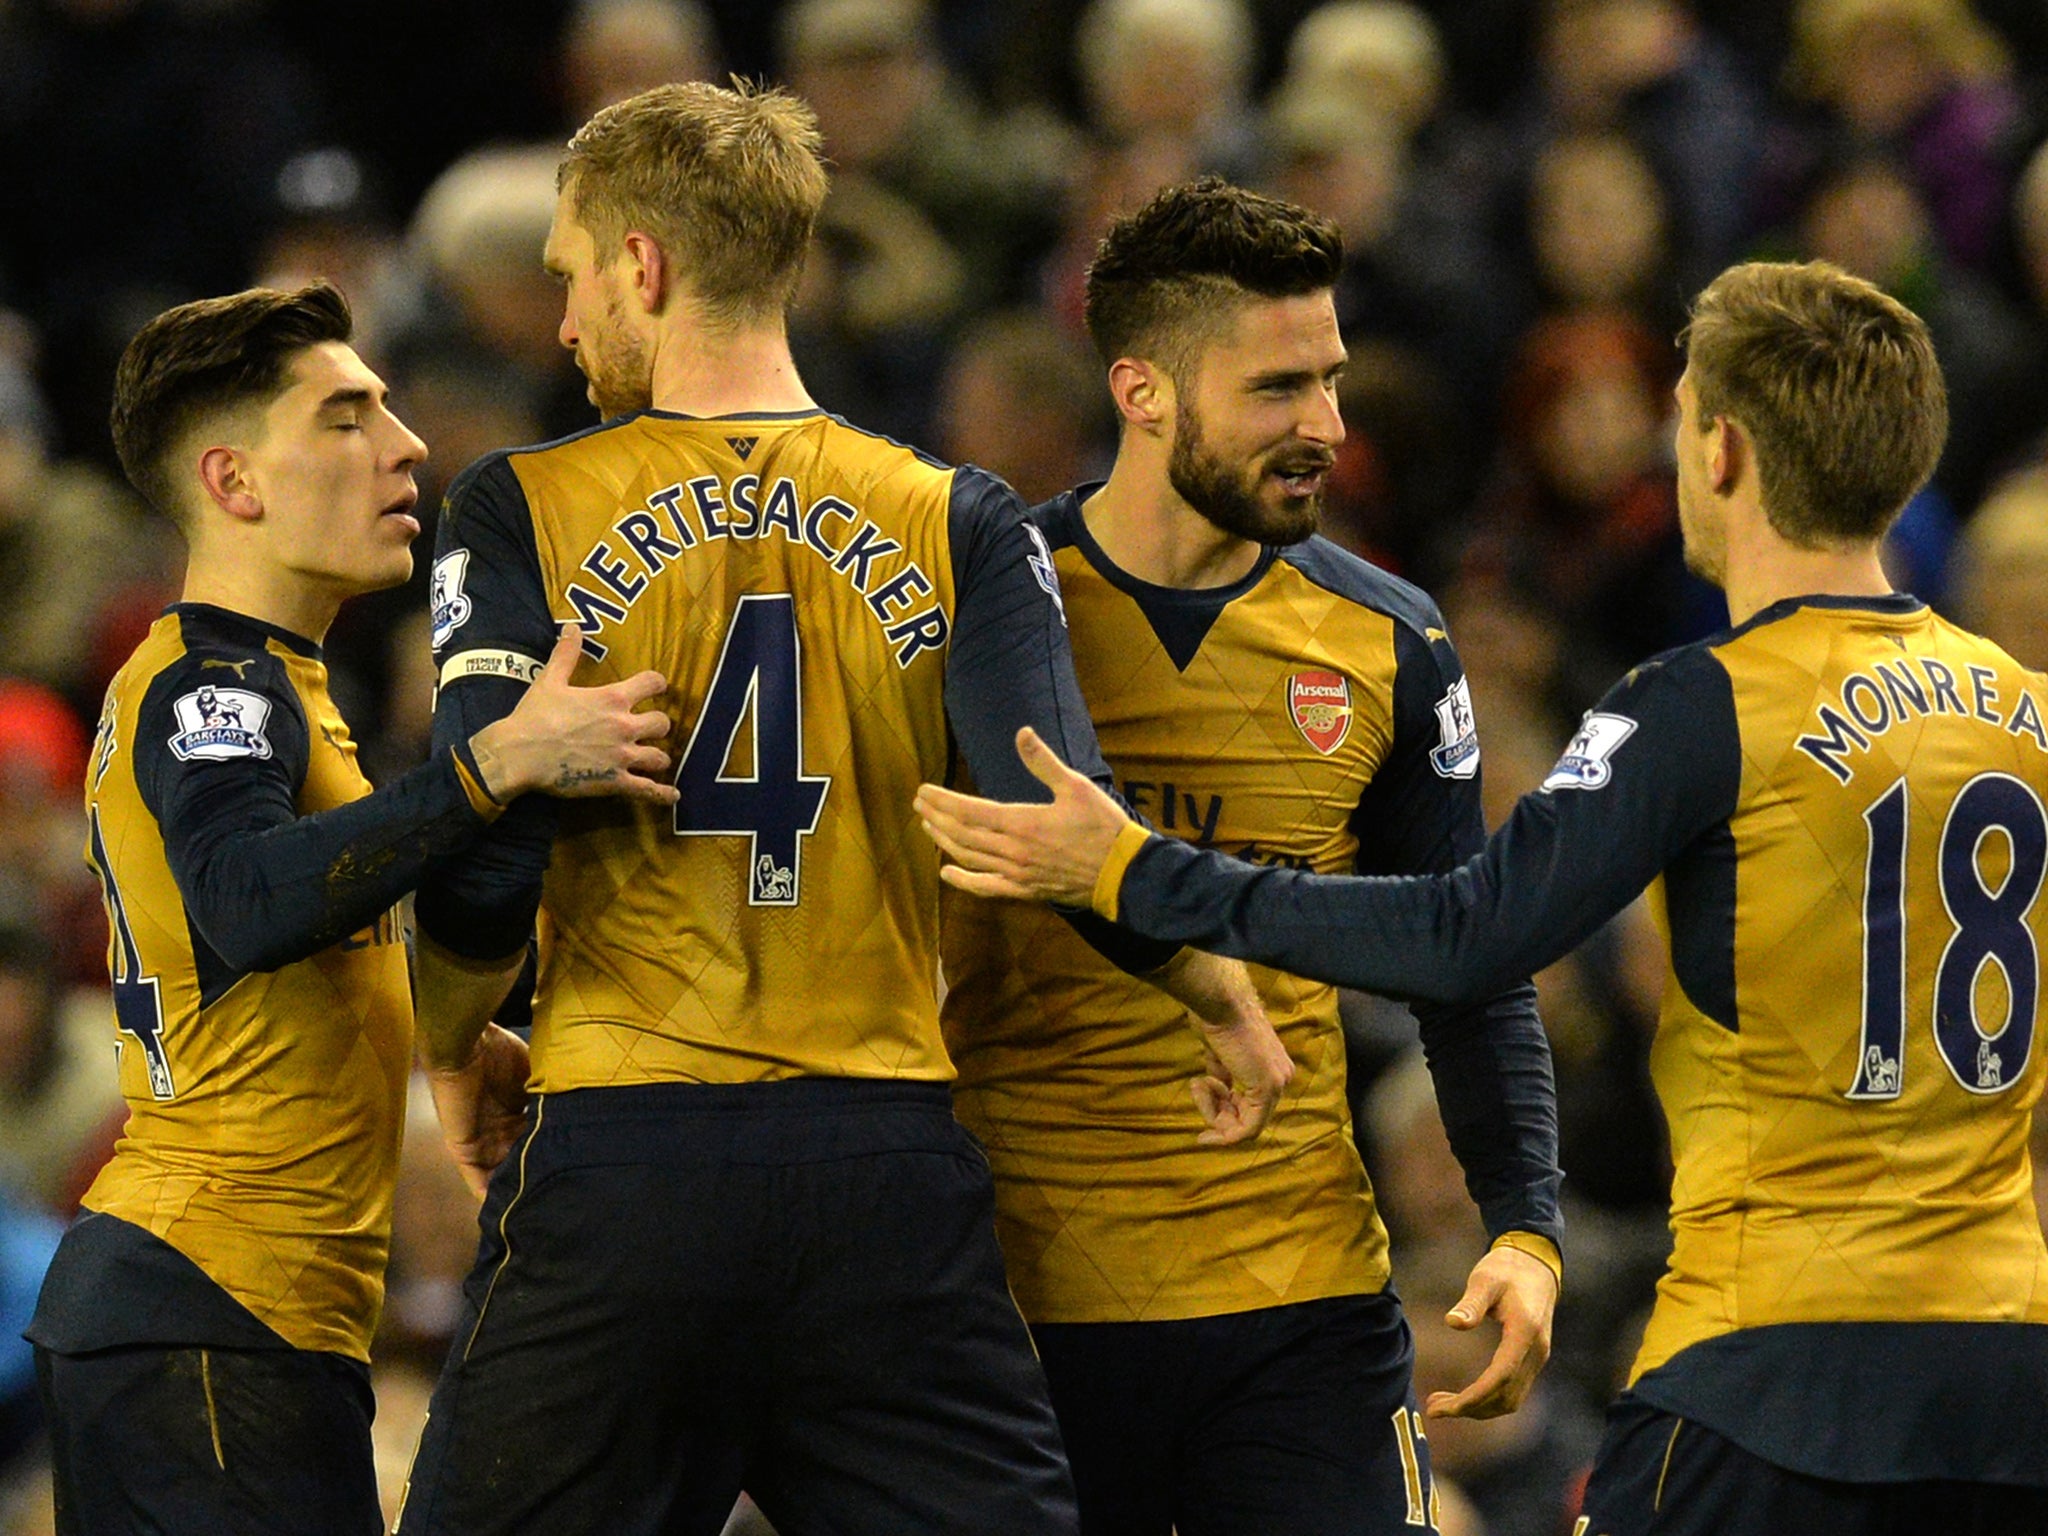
[(571, 778)]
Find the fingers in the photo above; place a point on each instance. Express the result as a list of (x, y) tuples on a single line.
[(563, 659), (639, 688), (1481, 1291), (1499, 1389), (1043, 762), (979, 883)]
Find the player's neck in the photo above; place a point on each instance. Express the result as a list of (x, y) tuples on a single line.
[(240, 582), (1146, 529), (702, 370), (1771, 570)]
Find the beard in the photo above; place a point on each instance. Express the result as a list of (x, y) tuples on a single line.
[(616, 365), (1228, 494)]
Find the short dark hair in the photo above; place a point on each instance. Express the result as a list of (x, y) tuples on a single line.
[(206, 357), (1167, 274), (1836, 383)]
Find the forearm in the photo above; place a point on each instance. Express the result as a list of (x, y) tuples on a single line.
[(265, 896), (454, 998), (1491, 1065)]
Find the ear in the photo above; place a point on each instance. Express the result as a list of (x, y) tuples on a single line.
[(1143, 393), (226, 479), (646, 275), (1727, 452)]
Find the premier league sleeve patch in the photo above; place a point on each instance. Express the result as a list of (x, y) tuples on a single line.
[(1456, 754), (216, 724), (448, 605), (1584, 764)]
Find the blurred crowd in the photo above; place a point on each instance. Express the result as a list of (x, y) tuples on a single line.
[(1529, 190)]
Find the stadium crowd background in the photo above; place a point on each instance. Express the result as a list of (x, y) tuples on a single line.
[(1528, 189)]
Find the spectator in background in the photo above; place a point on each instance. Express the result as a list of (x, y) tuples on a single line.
[(1999, 574), (1865, 215), (1598, 231), (59, 1092), (896, 122), (1645, 67), (1399, 488), (73, 543), (478, 234), (329, 221), (42, 828), (1024, 399), (1582, 508), (27, 1241), (1175, 76), (612, 49), (1922, 81)]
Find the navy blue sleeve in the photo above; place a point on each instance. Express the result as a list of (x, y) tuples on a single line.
[(1009, 665), (1488, 1057), (1655, 766), (220, 756), (492, 632)]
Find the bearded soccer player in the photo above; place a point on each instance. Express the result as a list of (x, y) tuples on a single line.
[(1224, 1350), (743, 1241), (203, 1333), (1839, 805)]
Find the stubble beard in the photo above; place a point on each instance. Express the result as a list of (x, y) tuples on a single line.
[(1229, 497), (617, 366)]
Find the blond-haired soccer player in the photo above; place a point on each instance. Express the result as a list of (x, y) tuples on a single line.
[(203, 1334), (1839, 803), (742, 1240)]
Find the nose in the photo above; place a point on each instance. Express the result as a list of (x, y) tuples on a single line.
[(565, 333), (1323, 423), (411, 447)]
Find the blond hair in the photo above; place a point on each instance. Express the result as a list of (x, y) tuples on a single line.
[(1950, 30), (1836, 384), (727, 182)]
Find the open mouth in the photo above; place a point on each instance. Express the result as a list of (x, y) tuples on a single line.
[(1303, 480), (401, 509)]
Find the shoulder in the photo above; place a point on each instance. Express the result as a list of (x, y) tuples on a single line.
[(221, 695), (495, 481), (1059, 519), (1337, 571)]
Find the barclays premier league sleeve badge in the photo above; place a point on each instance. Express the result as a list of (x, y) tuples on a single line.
[(1456, 754), (447, 604), (1584, 764), (216, 724)]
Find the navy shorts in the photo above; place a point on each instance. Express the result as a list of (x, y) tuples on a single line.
[(232, 1442), (1661, 1475), (793, 1288), (1297, 1420)]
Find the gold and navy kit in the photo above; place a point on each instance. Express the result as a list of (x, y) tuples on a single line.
[(742, 1124), (1841, 802), (261, 1003), (1311, 715), (837, 616)]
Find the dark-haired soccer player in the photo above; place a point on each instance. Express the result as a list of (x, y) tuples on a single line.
[(203, 1334), (1224, 1352), (1841, 803), (744, 1242)]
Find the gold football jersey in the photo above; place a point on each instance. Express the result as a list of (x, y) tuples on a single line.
[(1851, 1141), (1280, 719), (265, 1107), (835, 615)]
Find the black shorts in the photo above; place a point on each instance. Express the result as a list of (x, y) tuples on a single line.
[(1290, 1421), (792, 1288), (1661, 1475), (231, 1442)]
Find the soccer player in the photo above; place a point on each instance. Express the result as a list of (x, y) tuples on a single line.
[(203, 1334), (1840, 803), (1224, 1352), (743, 1240)]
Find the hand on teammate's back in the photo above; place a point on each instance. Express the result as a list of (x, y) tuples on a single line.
[(482, 1104), (578, 742)]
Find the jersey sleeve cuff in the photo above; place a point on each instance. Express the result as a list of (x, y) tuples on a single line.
[(1109, 881), (472, 782), (1538, 1247)]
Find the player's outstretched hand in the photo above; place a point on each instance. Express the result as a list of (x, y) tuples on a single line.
[(1033, 852), (482, 1104), (1520, 1291), (575, 741), (1246, 1066)]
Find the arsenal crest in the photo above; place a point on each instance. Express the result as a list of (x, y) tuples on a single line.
[(1320, 703)]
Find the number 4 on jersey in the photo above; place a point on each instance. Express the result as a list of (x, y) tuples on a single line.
[(777, 803), (138, 1002)]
